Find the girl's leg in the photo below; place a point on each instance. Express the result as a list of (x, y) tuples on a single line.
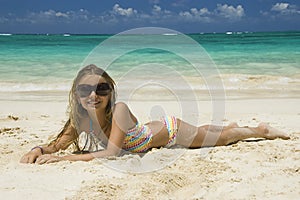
[(204, 136), (219, 128)]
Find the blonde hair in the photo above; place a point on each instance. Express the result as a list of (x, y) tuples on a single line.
[(77, 112)]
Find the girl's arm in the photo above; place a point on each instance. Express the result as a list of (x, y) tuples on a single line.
[(48, 158), (121, 122)]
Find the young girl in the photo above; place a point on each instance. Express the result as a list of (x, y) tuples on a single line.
[(100, 127)]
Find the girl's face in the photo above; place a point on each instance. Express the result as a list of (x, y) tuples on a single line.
[(93, 92)]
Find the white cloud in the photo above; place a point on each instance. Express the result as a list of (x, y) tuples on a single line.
[(285, 8), (43, 17), (52, 16), (186, 14), (202, 11), (280, 6), (230, 12), (194, 14), (60, 14), (156, 8), (123, 11), (157, 15), (113, 16), (52, 13), (204, 15)]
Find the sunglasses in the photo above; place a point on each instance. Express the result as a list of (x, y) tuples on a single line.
[(101, 89)]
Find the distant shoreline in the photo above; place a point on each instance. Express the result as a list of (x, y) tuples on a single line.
[(110, 34)]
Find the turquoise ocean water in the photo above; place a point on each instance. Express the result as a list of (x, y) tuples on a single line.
[(50, 62)]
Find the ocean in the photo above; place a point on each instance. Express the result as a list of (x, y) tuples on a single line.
[(43, 66)]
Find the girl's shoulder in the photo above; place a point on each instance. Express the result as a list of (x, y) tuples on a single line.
[(121, 106), (120, 103), (122, 109)]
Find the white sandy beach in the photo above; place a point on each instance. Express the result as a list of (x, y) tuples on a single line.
[(266, 169)]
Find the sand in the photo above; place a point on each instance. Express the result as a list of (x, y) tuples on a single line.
[(256, 169)]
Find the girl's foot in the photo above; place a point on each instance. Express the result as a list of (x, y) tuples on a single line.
[(272, 133)]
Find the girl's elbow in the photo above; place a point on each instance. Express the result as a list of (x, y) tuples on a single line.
[(106, 153), (115, 152)]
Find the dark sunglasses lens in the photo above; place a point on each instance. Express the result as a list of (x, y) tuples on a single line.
[(103, 89), (84, 90), (103, 86)]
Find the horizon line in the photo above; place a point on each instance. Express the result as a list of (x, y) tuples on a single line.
[(190, 33)]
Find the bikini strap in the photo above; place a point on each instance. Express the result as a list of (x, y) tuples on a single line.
[(91, 126)]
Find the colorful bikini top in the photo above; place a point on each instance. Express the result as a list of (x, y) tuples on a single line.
[(138, 138)]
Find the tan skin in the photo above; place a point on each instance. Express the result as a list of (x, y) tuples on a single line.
[(123, 120)]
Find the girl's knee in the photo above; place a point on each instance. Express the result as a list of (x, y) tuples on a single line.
[(223, 139)]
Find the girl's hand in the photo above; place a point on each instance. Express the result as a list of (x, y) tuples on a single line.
[(48, 158), (31, 156)]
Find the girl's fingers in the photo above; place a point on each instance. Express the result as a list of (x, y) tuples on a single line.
[(52, 160), (41, 159), (47, 159)]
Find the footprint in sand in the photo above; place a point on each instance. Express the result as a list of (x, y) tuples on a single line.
[(10, 117), (7, 152), (15, 118), (10, 131)]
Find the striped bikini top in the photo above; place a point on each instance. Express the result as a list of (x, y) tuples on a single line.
[(138, 138)]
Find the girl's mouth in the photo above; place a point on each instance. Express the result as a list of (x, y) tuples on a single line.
[(93, 103)]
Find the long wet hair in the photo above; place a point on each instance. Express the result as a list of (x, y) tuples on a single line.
[(77, 112)]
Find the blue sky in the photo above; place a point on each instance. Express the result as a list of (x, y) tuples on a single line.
[(109, 16)]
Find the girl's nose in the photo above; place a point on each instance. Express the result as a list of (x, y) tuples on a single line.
[(93, 93)]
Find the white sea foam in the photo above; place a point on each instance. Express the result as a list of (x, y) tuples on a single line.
[(5, 34), (148, 84), (33, 87), (170, 34), (195, 88)]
